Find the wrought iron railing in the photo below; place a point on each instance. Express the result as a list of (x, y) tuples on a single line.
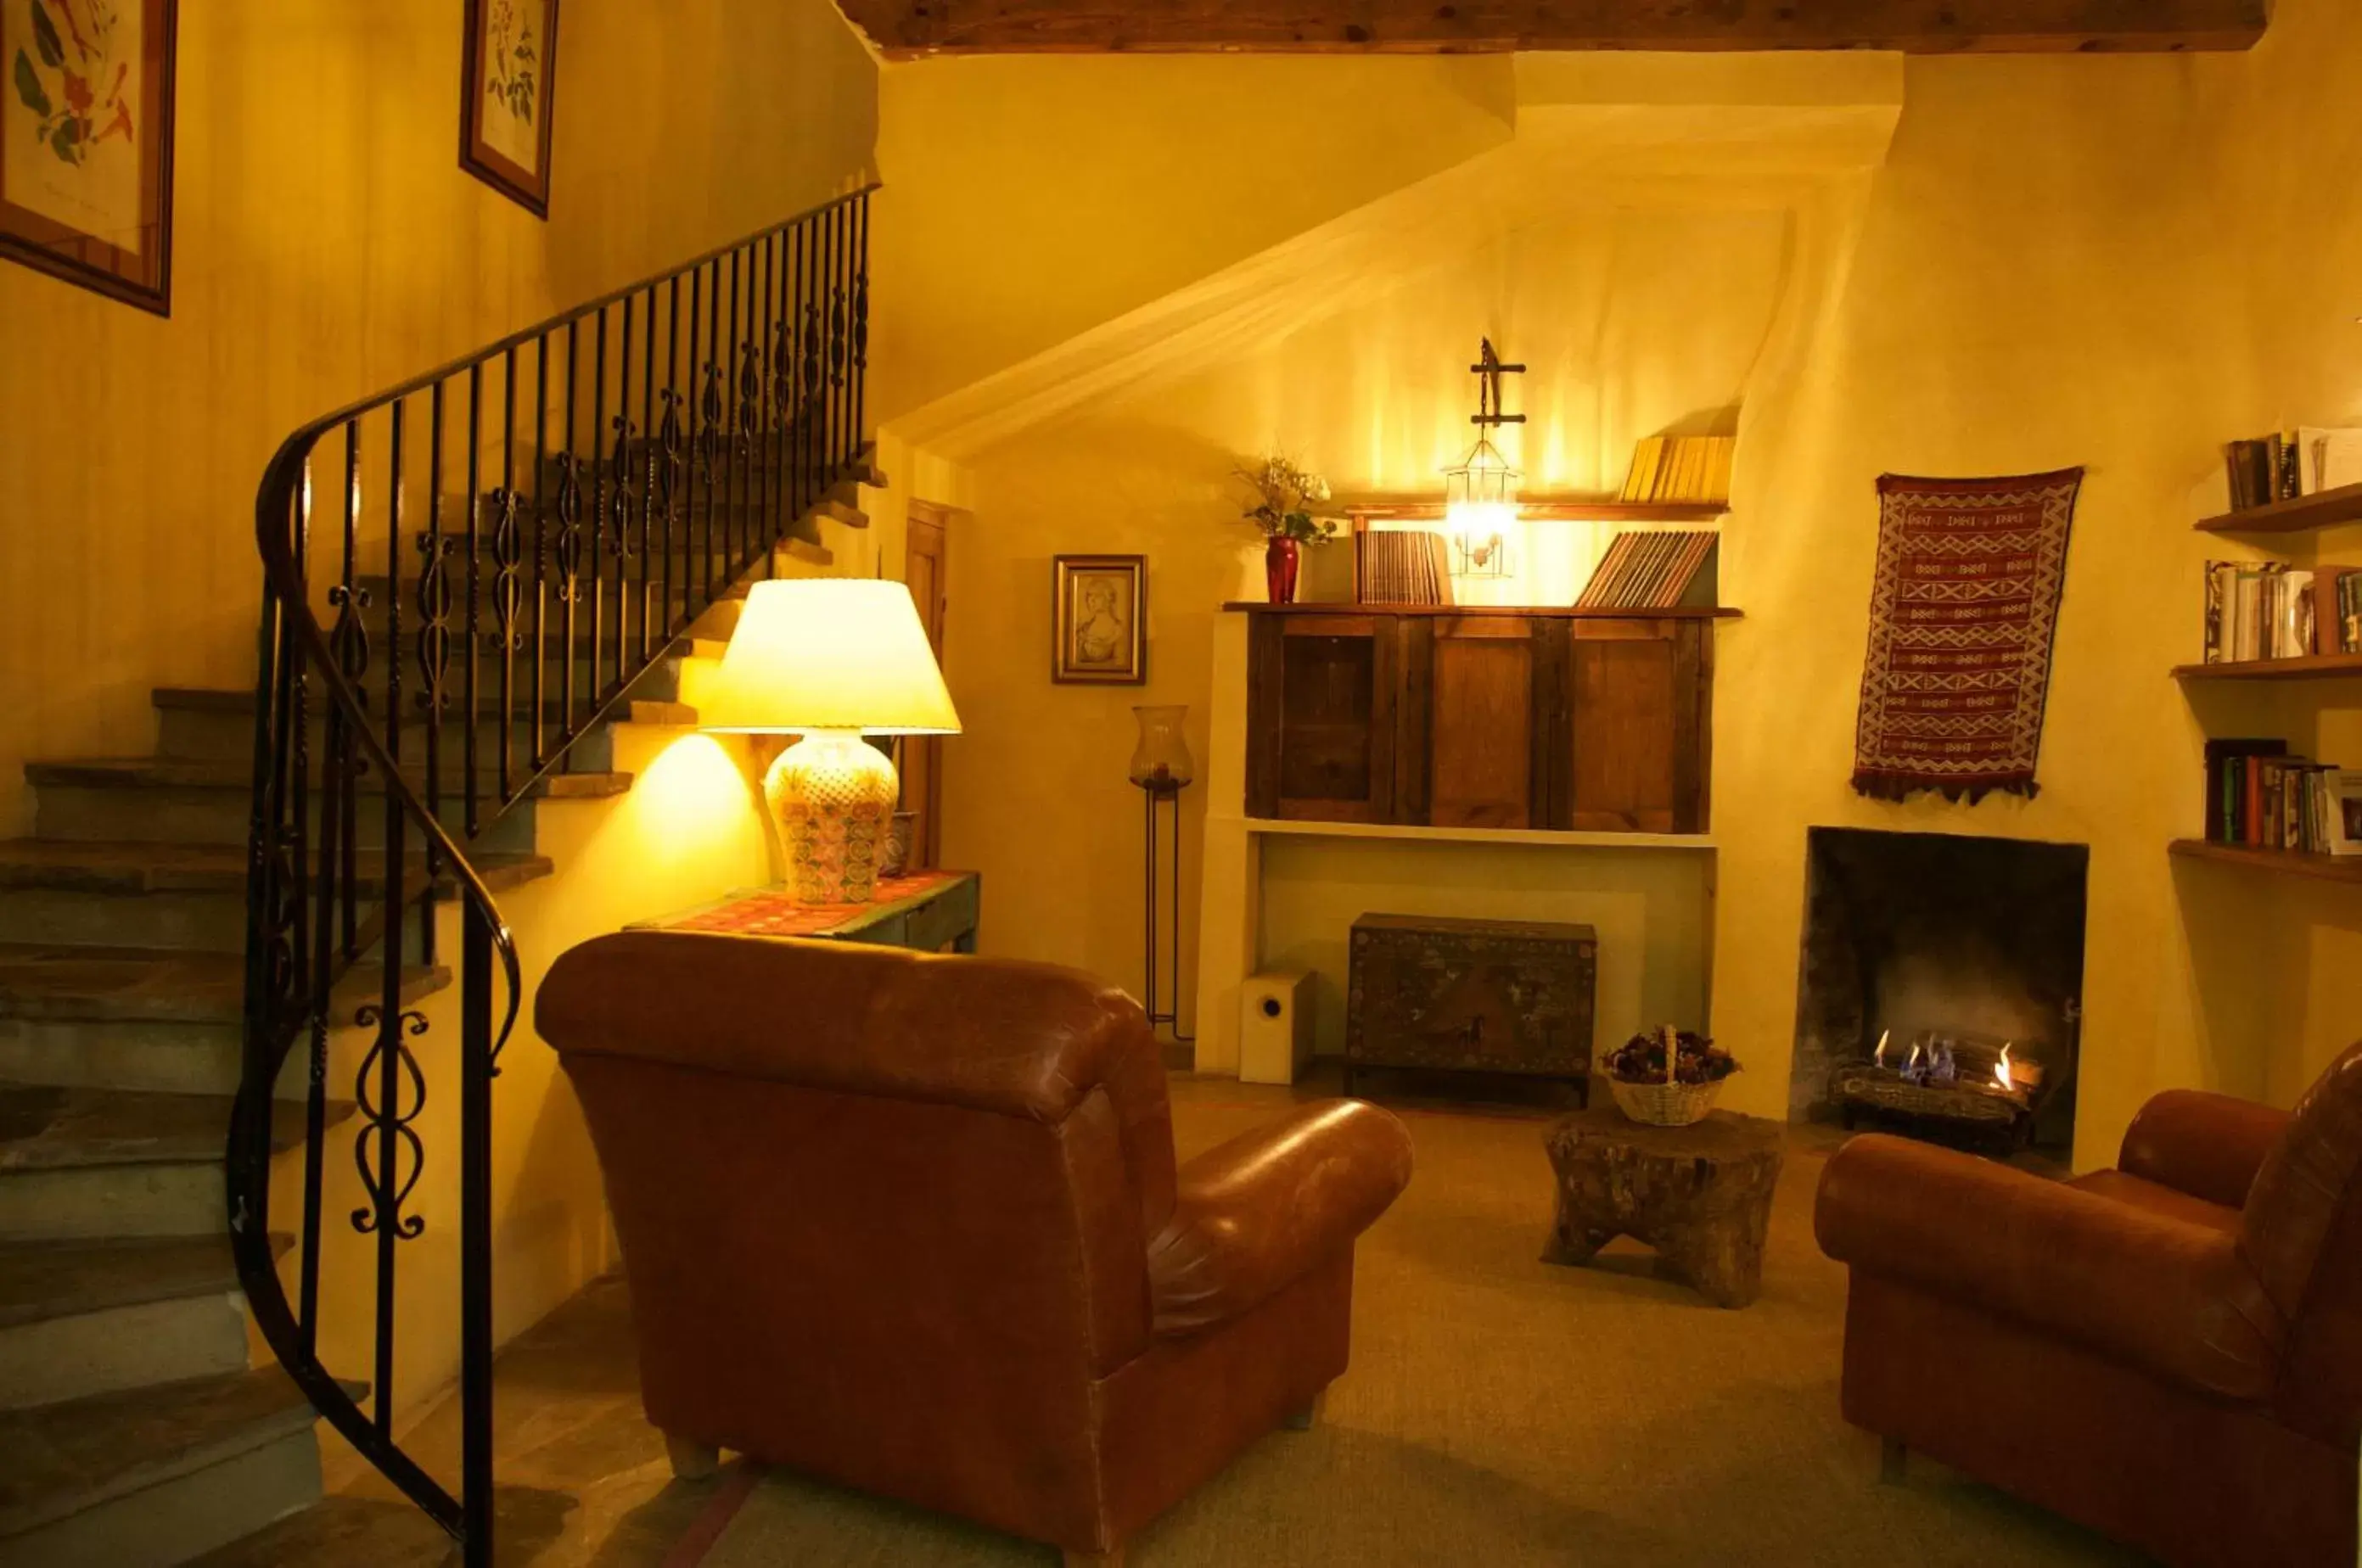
[(512, 542)]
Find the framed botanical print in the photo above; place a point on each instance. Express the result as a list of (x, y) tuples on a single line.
[(1099, 618), (508, 93), (86, 143)]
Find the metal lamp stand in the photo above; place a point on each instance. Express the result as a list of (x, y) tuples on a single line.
[(1166, 793)]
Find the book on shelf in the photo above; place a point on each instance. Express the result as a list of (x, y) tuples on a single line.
[(2263, 470), (1404, 565), (1681, 468), (1654, 569), (2328, 459), (2258, 797), (2271, 609), (2288, 464)]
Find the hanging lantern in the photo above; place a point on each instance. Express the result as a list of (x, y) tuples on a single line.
[(1480, 493)]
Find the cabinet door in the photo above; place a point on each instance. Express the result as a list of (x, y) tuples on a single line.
[(1477, 711), (1638, 726), (1321, 717)]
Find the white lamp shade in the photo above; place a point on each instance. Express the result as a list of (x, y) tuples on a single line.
[(830, 654)]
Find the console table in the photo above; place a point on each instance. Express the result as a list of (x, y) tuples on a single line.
[(928, 911)]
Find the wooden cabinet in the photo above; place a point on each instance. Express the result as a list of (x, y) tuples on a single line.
[(1323, 696), (1554, 720)]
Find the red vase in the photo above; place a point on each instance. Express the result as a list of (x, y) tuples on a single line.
[(1280, 558)]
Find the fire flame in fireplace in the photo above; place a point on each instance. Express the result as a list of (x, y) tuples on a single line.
[(1879, 1056), (2002, 1074)]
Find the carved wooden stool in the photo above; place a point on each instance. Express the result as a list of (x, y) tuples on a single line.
[(1701, 1195)]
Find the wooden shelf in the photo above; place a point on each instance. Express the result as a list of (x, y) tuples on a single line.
[(1271, 827), (1533, 508), (2285, 862), (1560, 611), (2312, 667), (2324, 509)]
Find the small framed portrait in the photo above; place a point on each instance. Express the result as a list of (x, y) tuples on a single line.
[(508, 94), (86, 144), (1098, 619)]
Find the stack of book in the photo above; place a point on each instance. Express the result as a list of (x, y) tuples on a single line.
[(2260, 797), (2286, 464), (1647, 570), (2271, 609), (1681, 468), (1402, 566)]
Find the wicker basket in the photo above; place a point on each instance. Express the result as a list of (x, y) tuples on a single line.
[(1666, 1104)]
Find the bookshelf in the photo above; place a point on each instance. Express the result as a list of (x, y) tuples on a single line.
[(2284, 863), (2311, 667), (2325, 509)]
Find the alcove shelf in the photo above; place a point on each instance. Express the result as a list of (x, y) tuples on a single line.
[(2283, 862), (2311, 667), (2325, 509)]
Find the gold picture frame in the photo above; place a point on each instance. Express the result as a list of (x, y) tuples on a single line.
[(1098, 621)]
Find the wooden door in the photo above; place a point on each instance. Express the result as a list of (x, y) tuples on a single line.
[(1637, 726), (1321, 717), (1476, 715), (923, 756)]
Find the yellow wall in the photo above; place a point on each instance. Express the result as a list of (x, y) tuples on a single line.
[(325, 244), (1028, 199), (2049, 270)]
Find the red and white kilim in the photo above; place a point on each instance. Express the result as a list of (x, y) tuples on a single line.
[(1961, 622)]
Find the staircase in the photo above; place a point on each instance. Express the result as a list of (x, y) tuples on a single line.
[(141, 1021)]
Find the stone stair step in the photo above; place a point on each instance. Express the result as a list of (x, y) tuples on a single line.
[(150, 1477), (96, 894), (205, 725), (43, 1281), (45, 1127), (57, 983), (201, 801), (159, 1020), (79, 1318), (89, 1163)]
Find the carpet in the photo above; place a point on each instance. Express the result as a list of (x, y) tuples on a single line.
[(1962, 611), (1507, 1412)]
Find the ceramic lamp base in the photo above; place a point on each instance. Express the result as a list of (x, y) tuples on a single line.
[(832, 795)]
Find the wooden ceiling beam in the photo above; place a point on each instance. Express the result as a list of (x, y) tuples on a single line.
[(907, 28)]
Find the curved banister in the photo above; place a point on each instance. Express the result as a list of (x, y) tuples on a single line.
[(719, 453)]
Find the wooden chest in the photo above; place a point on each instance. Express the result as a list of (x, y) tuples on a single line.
[(1502, 996)]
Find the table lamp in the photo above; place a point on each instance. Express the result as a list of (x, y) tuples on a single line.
[(831, 659)]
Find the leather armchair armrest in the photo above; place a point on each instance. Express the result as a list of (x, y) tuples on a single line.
[(1255, 1214), (2168, 1296), (2209, 1145)]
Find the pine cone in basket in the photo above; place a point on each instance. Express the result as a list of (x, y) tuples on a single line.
[(1641, 1060)]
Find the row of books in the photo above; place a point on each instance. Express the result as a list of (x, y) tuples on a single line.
[(2286, 464), (1652, 570), (1681, 468), (2259, 796), (1402, 566), (2271, 609)]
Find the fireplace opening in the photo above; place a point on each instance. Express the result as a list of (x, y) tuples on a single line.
[(1941, 988)]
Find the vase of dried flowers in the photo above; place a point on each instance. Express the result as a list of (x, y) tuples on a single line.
[(1284, 494)]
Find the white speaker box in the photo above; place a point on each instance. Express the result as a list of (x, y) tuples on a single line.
[(1274, 1026)]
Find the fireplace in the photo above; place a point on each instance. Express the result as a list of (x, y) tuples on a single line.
[(1941, 985)]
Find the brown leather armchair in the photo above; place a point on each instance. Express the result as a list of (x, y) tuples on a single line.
[(2169, 1352), (912, 1223)]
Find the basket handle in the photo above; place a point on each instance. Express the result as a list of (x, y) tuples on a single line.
[(1673, 1053)]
